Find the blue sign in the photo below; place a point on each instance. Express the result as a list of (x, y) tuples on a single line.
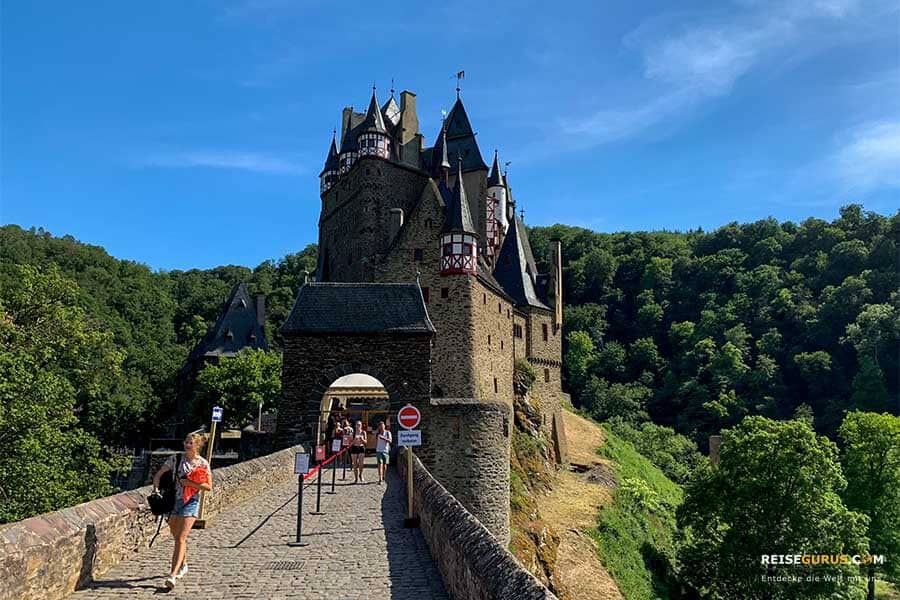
[(217, 414)]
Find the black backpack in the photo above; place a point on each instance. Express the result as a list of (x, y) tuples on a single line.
[(163, 502)]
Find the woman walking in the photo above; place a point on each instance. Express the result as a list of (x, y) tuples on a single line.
[(358, 452), (192, 474)]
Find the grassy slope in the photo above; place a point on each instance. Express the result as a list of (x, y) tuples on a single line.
[(634, 534)]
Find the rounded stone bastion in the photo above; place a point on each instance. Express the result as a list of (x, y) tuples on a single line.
[(465, 446)]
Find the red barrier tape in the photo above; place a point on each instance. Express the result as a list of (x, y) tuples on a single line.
[(322, 464)]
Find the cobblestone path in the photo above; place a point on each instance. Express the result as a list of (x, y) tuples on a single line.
[(357, 550)]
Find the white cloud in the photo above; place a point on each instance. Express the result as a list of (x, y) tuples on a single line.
[(696, 59), (870, 157), (216, 159)]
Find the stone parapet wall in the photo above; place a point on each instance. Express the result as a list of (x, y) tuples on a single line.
[(472, 563), (51, 555)]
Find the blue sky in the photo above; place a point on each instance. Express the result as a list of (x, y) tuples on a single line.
[(191, 133)]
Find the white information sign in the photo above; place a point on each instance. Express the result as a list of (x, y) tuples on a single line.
[(336, 445), (217, 414), (301, 463), (409, 437)]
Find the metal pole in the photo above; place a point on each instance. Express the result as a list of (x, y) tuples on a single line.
[(318, 492), (209, 452), (297, 542), (409, 485), (333, 472)]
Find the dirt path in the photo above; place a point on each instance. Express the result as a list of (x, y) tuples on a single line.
[(573, 505)]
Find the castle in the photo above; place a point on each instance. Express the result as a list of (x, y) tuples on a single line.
[(426, 281)]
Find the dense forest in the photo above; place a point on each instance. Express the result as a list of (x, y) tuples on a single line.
[(669, 338), (698, 330)]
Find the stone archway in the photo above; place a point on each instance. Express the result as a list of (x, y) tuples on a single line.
[(381, 330)]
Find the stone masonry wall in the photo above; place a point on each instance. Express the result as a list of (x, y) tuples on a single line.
[(311, 363), (545, 356), (473, 564), (493, 344), (466, 447), (50, 555)]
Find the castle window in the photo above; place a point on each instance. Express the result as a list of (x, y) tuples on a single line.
[(499, 308), (517, 331), (484, 298), (418, 254), (496, 387), (429, 223), (507, 313), (546, 375), (489, 340), (544, 331), (445, 292), (425, 294), (501, 344)]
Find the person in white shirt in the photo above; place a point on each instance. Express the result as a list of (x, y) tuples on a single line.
[(382, 450)]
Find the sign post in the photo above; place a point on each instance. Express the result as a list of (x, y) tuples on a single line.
[(345, 443), (200, 523), (409, 418), (301, 468)]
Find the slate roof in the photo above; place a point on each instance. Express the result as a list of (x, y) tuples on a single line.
[(515, 269), (354, 128), (496, 176), (358, 308), (238, 318), (331, 162), (461, 139), (458, 219), (373, 121)]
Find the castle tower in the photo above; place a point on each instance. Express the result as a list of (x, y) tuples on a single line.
[(497, 189), (459, 241), (329, 175), (373, 139)]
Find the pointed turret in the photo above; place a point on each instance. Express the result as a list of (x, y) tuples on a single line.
[(373, 139), (461, 138), (497, 189), (459, 241), (329, 174), (440, 161)]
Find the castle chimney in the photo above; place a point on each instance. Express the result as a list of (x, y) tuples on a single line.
[(715, 442), (409, 121), (345, 123), (396, 222), (556, 288), (261, 310)]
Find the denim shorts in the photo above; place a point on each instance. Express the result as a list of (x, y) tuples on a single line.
[(191, 508), (382, 458)]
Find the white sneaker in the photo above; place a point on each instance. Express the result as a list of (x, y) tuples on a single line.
[(170, 582), (182, 571)]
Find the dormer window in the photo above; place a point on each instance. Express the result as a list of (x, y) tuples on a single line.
[(374, 144), (459, 253)]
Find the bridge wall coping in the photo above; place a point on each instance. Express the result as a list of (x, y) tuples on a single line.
[(473, 563), (48, 556)]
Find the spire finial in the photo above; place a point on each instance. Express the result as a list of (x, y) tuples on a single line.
[(522, 214), (459, 77), (392, 87), (373, 88)]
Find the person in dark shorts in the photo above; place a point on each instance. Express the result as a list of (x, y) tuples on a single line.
[(358, 452)]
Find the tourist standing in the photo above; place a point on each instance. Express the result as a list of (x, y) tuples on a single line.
[(382, 450), (358, 452), (192, 474)]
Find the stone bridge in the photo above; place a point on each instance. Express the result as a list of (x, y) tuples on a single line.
[(357, 548)]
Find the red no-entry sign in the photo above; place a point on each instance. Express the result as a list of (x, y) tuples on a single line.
[(409, 417)]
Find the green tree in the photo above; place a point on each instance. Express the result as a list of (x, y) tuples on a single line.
[(53, 358), (240, 385), (871, 460), (578, 358), (775, 491)]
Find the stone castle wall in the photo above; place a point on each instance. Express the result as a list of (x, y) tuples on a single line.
[(49, 556), (474, 564), (354, 227), (466, 446), (493, 345), (311, 363)]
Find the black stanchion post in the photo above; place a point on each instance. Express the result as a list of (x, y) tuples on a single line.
[(297, 541), (333, 472), (318, 493), (344, 463)]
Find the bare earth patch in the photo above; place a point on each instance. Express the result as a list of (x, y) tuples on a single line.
[(572, 506)]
